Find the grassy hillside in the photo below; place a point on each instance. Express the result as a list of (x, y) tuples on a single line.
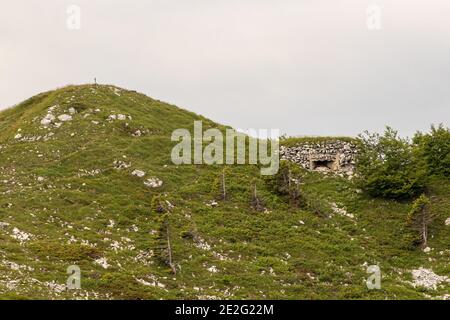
[(68, 197)]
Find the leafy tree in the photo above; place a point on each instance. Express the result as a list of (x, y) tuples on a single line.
[(434, 148), (388, 166), (418, 220)]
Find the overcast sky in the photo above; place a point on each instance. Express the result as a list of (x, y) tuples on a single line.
[(306, 67)]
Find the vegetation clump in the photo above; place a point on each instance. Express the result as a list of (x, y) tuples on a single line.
[(389, 166), (434, 148), (419, 218), (286, 182)]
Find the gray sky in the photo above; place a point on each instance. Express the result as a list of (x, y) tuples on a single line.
[(303, 66)]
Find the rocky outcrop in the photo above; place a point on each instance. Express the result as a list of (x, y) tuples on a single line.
[(427, 278), (328, 156)]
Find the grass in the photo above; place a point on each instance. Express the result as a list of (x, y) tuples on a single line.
[(293, 141), (77, 208)]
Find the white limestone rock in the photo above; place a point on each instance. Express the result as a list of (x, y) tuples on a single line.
[(427, 278), (48, 119), (153, 182), (65, 117), (119, 164), (138, 173), (103, 262)]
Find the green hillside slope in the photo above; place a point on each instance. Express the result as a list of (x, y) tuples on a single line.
[(68, 196)]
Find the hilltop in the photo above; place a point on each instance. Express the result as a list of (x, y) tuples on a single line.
[(81, 167)]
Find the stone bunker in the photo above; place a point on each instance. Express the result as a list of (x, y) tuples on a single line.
[(327, 156)]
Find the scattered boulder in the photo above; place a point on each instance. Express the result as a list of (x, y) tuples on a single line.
[(138, 173), (4, 224), (65, 117), (341, 211), (48, 119), (119, 116), (213, 269), (103, 262), (119, 164), (153, 182), (137, 133), (21, 236), (212, 204)]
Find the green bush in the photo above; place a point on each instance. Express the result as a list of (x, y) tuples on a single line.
[(418, 220), (434, 147), (389, 166), (73, 252), (158, 205), (286, 181)]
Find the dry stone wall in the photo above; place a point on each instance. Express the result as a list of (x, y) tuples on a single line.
[(327, 156)]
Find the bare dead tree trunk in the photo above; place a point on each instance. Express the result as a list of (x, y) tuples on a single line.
[(255, 201), (424, 228), (169, 249), (224, 188), (289, 178)]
